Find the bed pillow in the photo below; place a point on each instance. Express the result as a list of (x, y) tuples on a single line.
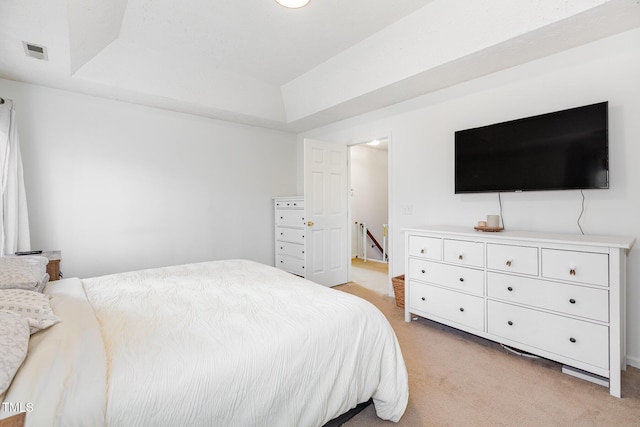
[(14, 336), (31, 305), (22, 272), (43, 282)]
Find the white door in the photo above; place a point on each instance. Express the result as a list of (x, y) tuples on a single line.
[(325, 193)]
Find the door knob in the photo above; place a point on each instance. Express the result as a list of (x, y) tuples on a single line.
[(310, 223)]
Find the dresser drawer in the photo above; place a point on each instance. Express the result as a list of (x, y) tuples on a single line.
[(290, 264), (451, 276), (515, 259), (290, 218), (573, 266), (463, 309), (425, 247), (564, 298), (575, 339), (292, 249), (293, 235), (464, 253)]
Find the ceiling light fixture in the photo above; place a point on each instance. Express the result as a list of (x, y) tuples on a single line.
[(293, 4)]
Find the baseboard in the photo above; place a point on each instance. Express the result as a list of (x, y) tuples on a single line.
[(633, 361), (370, 259)]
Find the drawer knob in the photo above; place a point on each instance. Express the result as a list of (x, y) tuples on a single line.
[(508, 263), (510, 323), (423, 271), (461, 308), (510, 289), (572, 271), (462, 279), (460, 257), (572, 339), (423, 299), (572, 301), (422, 250)]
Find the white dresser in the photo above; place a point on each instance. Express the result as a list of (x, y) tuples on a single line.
[(559, 296), (290, 227)]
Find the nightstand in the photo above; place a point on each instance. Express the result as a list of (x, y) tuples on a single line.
[(53, 267), (14, 421)]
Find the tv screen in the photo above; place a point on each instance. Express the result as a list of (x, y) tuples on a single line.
[(562, 150)]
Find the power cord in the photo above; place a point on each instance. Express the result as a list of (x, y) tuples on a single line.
[(500, 201), (581, 212), (577, 222)]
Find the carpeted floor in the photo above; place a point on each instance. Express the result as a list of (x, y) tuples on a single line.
[(456, 379)]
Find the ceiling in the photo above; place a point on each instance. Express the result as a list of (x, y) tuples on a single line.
[(257, 63)]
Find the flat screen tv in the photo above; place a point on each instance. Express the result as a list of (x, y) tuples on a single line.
[(562, 150)]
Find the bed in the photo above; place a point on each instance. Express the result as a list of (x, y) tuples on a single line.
[(233, 343)]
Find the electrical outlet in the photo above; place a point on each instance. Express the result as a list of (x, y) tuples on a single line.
[(407, 210)]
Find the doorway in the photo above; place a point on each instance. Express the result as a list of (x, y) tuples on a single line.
[(369, 214)]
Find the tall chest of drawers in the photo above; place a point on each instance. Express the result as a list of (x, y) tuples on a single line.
[(558, 296), (289, 215)]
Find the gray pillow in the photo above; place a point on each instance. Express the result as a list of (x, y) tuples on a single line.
[(14, 336), (22, 272)]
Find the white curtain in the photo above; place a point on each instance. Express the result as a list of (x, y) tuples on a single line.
[(15, 219)]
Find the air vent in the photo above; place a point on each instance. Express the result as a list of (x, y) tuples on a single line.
[(35, 51)]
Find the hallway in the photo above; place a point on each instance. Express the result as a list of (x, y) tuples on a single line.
[(371, 275)]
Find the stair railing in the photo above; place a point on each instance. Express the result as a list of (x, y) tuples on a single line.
[(382, 248)]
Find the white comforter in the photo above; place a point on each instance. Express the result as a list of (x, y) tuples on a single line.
[(226, 343)]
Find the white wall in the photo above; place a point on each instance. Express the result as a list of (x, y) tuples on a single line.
[(421, 150), (121, 187), (369, 196)]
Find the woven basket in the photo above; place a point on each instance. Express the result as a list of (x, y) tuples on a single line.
[(398, 290)]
